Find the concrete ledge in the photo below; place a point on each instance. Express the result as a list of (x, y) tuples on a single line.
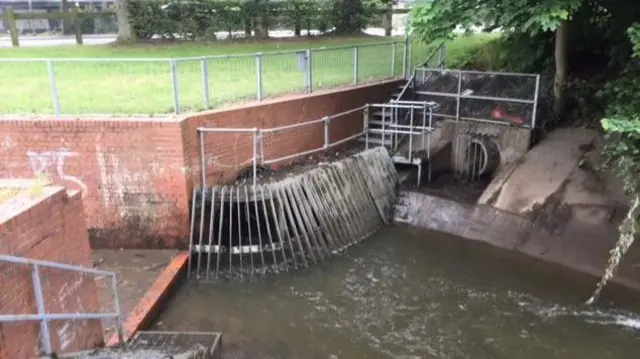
[(148, 307), (584, 254)]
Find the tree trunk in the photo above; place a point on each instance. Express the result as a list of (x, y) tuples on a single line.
[(561, 60), (66, 24), (125, 31)]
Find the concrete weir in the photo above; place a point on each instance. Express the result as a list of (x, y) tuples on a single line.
[(293, 222)]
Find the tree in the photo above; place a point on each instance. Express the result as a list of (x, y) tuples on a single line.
[(125, 30), (623, 152), (434, 21)]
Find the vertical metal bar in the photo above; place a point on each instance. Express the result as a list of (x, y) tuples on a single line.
[(535, 102), (191, 229), (230, 229), (205, 82), (220, 228), (42, 312), (174, 80), (54, 88), (458, 95), (327, 124), (405, 53), (256, 134), (116, 307), (259, 74), (247, 221), (393, 59), (429, 142), (384, 120), (365, 126), (211, 221), (241, 249), (267, 224), (259, 227), (355, 65), (411, 134), (203, 162), (410, 56), (309, 71), (201, 240)]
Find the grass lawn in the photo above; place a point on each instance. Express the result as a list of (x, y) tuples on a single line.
[(130, 86)]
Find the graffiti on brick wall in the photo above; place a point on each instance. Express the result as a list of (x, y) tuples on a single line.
[(69, 330), (6, 145), (53, 163), (131, 191)]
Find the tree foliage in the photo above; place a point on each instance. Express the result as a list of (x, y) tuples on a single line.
[(622, 125), (202, 19)]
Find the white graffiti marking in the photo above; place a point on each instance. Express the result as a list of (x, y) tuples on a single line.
[(42, 163), (6, 146), (68, 332)]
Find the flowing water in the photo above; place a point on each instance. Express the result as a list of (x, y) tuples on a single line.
[(403, 295)]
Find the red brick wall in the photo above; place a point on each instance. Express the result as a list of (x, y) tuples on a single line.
[(229, 153), (130, 172), (136, 175), (51, 228)]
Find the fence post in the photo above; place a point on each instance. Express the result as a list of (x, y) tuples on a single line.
[(42, 312), (365, 126), (77, 24), (458, 95), (54, 88), (116, 307), (327, 124), (393, 59), (205, 82), (174, 81), (256, 137), (355, 65), (535, 103), (10, 17), (405, 54), (259, 95), (309, 72), (409, 56)]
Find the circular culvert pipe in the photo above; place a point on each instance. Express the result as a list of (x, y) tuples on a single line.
[(481, 157)]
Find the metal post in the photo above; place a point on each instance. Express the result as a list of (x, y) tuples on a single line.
[(458, 95), (535, 102), (205, 82), (409, 56), (116, 298), (405, 54), (355, 65), (54, 88), (309, 72), (327, 123), (365, 126), (411, 134), (443, 56), (174, 80), (393, 59), (44, 323), (256, 135), (202, 160), (259, 75)]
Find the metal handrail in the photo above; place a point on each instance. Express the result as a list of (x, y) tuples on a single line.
[(43, 317)]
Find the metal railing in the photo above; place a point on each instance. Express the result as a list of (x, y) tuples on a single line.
[(43, 316), (144, 86), (482, 96), (258, 137)]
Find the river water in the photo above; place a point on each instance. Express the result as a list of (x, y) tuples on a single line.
[(402, 294)]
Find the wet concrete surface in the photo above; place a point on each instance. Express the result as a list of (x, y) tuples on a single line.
[(137, 270)]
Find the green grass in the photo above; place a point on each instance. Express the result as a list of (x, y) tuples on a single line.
[(133, 87)]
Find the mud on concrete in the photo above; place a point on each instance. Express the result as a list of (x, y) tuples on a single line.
[(137, 271)]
